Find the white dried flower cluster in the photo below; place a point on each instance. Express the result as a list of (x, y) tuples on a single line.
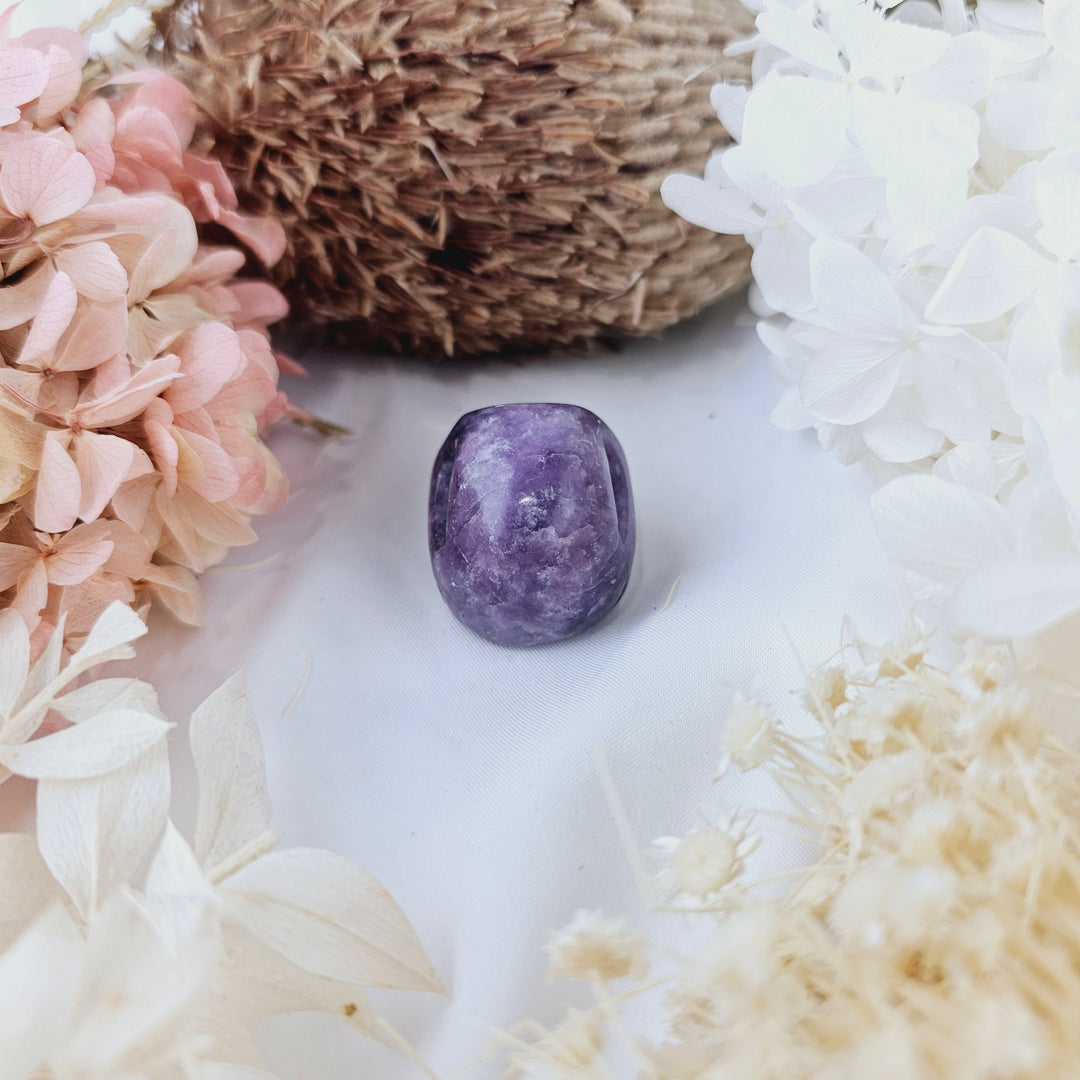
[(908, 175), (127, 952), (936, 937), (595, 948)]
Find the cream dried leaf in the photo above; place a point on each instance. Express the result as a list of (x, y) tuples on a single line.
[(106, 742), (329, 917), (94, 832), (234, 808)]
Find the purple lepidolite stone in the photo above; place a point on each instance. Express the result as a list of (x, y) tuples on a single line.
[(531, 521)]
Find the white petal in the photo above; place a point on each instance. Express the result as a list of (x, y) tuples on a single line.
[(38, 976), (848, 383), (970, 465), (1018, 595), (234, 807), (147, 961), (29, 888), (795, 33), (963, 73), (790, 414), (115, 628), (107, 695), (330, 917), (259, 982), (850, 290), (1062, 22), (901, 135), (992, 274), (94, 833), (175, 870), (883, 50), (1057, 188), (701, 203), (795, 129), (896, 436), (780, 264), (940, 530), (1018, 115), (14, 660), (97, 746), (729, 101)]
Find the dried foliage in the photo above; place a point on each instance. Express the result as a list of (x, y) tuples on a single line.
[(460, 176), (936, 937), (125, 950)]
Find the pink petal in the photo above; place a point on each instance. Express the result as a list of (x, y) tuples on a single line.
[(102, 161), (288, 366), (33, 593), (259, 302), (178, 590), (111, 207), (97, 272), (131, 552), (168, 255), (57, 308), (108, 376), (67, 54), (212, 264), (127, 401), (24, 73), (95, 123), (14, 559), (71, 41), (133, 504), (162, 92), (44, 180), (163, 446), (103, 462), (210, 355), (20, 303), (205, 467), (264, 235), (97, 333), (76, 557), (149, 135), (59, 488), (140, 466), (209, 177)]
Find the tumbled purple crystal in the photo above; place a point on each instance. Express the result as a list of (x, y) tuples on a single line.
[(531, 521)]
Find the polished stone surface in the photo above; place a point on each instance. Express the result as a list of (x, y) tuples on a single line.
[(531, 521)]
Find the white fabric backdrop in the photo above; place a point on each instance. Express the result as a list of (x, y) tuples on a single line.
[(461, 773)]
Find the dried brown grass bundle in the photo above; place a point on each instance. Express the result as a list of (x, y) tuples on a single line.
[(936, 937), (463, 176)]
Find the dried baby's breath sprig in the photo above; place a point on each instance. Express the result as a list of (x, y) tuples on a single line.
[(937, 934), (596, 948)]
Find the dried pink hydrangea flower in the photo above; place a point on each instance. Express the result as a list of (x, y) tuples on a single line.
[(136, 371)]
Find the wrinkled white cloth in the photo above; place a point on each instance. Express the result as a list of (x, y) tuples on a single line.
[(462, 774)]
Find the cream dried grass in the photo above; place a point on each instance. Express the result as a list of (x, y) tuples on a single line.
[(936, 937), (462, 176)]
